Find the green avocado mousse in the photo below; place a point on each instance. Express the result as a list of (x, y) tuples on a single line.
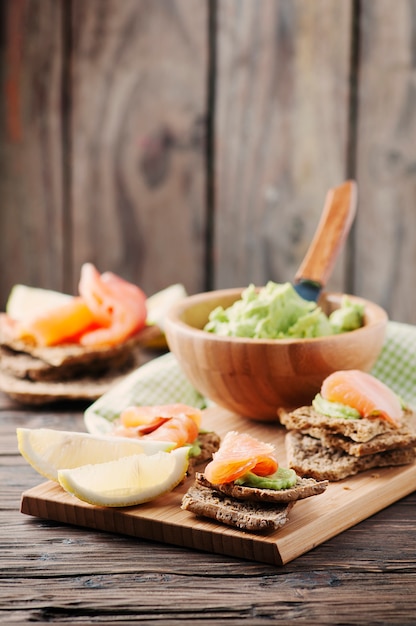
[(277, 311)]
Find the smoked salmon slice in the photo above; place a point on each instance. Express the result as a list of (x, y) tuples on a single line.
[(177, 430), (108, 311), (238, 454), (177, 423), (117, 305), (365, 393), (61, 324)]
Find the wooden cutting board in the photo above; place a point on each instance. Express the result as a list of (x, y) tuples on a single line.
[(311, 521)]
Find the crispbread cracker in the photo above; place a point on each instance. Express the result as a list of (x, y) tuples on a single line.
[(402, 438), (250, 516), (308, 457), (25, 366), (71, 353), (247, 508), (359, 430), (40, 375), (38, 393), (304, 488), (209, 442)]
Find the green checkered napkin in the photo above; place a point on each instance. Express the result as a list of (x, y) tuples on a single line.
[(396, 365), (162, 381)]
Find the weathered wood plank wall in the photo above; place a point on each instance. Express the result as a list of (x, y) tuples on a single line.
[(281, 131), (194, 142), (385, 237)]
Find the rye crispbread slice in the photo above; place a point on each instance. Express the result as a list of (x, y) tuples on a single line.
[(404, 437), (359, 430), (304, 488), (36, 375), (209, 442), (39, 392), (25, 366), (73, 353), (308, 457), (249, 516)]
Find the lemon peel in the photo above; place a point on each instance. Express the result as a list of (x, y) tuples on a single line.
[(127, 481), (48, 450)]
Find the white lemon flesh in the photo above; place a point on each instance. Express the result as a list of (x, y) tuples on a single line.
[(159, 304), (48, 450), (128, 481), (25, 303)]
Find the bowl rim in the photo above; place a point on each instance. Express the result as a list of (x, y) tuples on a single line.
[(173, 319)]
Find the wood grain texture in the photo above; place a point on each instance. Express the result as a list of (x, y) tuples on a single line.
[(253, 377), (311, 522), (31, 214), (103, 156), (281, 132), (332, 231), (386, 158), (138, 111), (60, 573)]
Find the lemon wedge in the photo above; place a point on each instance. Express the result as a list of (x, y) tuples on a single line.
[(158, 306), (127, 481), (160, 302), (25, 302), (48, 450)]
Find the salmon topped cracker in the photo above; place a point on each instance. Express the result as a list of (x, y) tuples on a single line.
[(365, 393), (355, 423), (56, 346)]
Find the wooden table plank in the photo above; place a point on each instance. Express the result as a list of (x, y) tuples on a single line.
[(311, 521), (55, 572)]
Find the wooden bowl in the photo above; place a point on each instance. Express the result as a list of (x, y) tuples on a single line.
[(253, 377)]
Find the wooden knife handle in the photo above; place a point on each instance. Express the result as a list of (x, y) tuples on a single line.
[(333, 228)]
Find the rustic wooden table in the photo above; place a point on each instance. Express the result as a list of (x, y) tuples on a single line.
[(52, 572)]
